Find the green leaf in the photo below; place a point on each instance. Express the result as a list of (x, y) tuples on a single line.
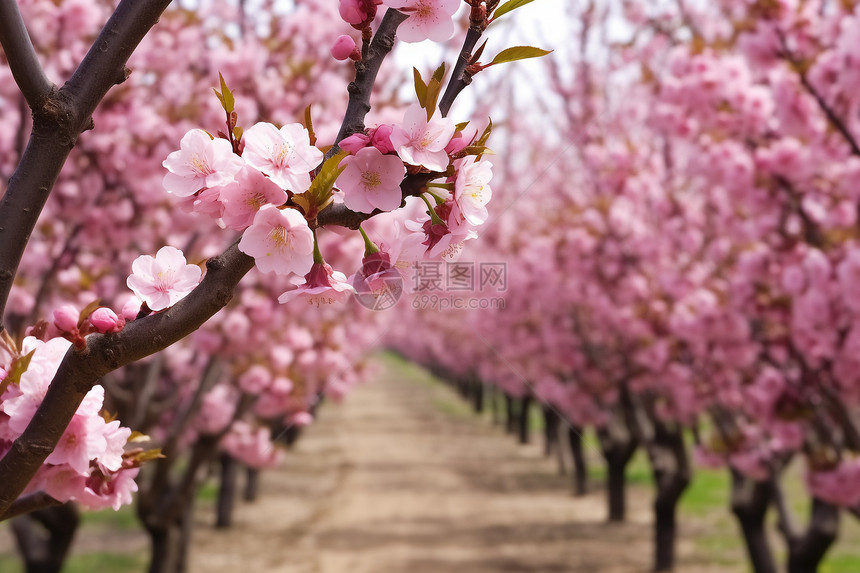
[(461, 126), (518, 53), (434, 88), (322, 184), (486, 135), (237, 133), (16, 370), (226, 96), (420, 87), (509, 6)]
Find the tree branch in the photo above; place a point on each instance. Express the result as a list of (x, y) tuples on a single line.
[(80, 371), (365, 76), (459, 79), (28, 503), (21, 56), (59, 119)]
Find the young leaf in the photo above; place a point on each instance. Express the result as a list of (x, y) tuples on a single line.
[(434, 88), (87, 310), (18, 367), (518, 53), (322, 184), (486, 135), (420, 87), (309, 123), (509, 6), (226, 96)]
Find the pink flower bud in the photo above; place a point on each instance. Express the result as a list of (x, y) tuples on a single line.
[(342, 48), (352, 12), (66, 318), (131, 309), (354, 143), (380, 138), (105, 320)]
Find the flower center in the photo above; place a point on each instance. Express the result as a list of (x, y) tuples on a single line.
[(283, 155), (280, 238), (199, 165), (371, 179), (164, 280)]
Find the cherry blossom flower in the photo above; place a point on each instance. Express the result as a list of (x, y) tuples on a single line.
[(322, 285), (428, 19), (244, 197), (285, 154), (471, 189), (280, 241), (163, 280), (371, 181), (200, 163), (105, 320), (422, 142)]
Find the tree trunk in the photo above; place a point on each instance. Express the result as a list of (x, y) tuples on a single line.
[(494, 405), (617, 450), (226, 491), (510, 418), (550, 430), (252, 484), (750, 500), (671, 467), (580, 468), (805, 556), (525, 410), (170, 541), (477, 396), (45, 551)]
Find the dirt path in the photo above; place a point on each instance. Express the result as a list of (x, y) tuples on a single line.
[(395, 481)]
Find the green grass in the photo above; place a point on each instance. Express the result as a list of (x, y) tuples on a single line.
[(125, 519), (89, 563)]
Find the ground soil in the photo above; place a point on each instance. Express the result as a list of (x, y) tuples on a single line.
[(396, 480)]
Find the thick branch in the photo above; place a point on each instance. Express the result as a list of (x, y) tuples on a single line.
[(80, 371), (21, 56), (459, 79), (58, 121), (365, 76), (28, 503)]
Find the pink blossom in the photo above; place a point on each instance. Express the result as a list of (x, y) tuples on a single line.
[(201, 162), (163, 280), (256, 379), (105, 320), (428, 19), (252, 446), (285, 154), (371, 181), (280, 241), (357, 12), (472, 190), (422, 142), (838, 485), (244, 197), (322, 286), (110, 489), (380, 138)]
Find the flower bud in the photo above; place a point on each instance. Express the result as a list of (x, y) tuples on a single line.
[(342, 48), (105, 320), (66, 318)]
